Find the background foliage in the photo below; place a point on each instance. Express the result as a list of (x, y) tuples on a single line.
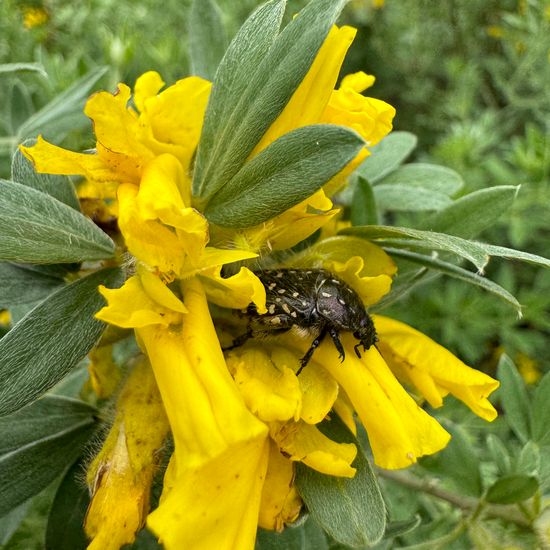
[(470, 80)]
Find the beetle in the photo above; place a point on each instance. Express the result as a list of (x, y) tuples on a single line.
[(312, 301)]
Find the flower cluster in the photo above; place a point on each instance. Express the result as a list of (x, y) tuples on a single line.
[(240, 420)]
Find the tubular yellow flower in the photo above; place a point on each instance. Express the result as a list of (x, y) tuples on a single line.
[(213, 486), (120, 476), (432, 370)]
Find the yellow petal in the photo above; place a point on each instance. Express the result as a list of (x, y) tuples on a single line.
[(50, 159), (271, 391), (304, 442), (147, 85), (211, 258), (432, 369), (132, 306), (212, 489), (281, 502), (237, 291), (358, 81), (399, 430), (345, 411), (159, 292), (148, 240), (171, 121), (371, 118), (308, 102), (121, 475)]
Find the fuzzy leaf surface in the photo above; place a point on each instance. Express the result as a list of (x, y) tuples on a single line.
[(37, 228), (51, 339)]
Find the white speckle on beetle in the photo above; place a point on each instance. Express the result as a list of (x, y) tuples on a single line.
[(272, 286), (325, 311), (279, 274), (286, 308), (335, 281), (304, 302), (341, 302), (281, 290), (293, 314), (278, 300), (326, 294), (295, 294), (271, 309)]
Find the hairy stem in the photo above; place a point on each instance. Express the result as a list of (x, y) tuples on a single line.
[(468, 504)]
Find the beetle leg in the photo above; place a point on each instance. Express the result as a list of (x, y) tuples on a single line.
[(356, 348), (240, 340), (314, 345), (334, 335)]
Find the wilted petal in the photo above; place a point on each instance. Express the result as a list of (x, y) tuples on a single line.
[(281, 502), (120, 476), (432, 369)]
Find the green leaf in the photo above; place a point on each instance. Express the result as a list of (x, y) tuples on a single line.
[(541, 412), (364, 210), (431, 177), (406, 237), (10, 522), (514, 399), (499, 454), (285, 173), (306, 536), (456, 272), (471, 214), (59, 187), (66, 519), (23, 67), (50, 341), (511, 489), (207, 39), (37, 228), (511, 254), (399, 197), (20, 285), (398, 528), (387, 156), (38, 443), (255, 94), (59, 114), (245, 53), (350, 510), (528, 462)]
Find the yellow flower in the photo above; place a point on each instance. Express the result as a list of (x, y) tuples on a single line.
[(431, 369), (127, 139), (34, 16)]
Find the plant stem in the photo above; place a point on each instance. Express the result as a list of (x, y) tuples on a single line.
[(468, 504)]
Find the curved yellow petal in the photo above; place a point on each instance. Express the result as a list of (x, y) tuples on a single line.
[(50, 159), (149, 240), (399, 430), (235, 292), (304, 442), (211, 258), (171, 121), (132, 306), (213, 485), (432, 369), (281, 503), (358, 81), (159, 292), (270, 390), (310, 99), (147, 85)]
